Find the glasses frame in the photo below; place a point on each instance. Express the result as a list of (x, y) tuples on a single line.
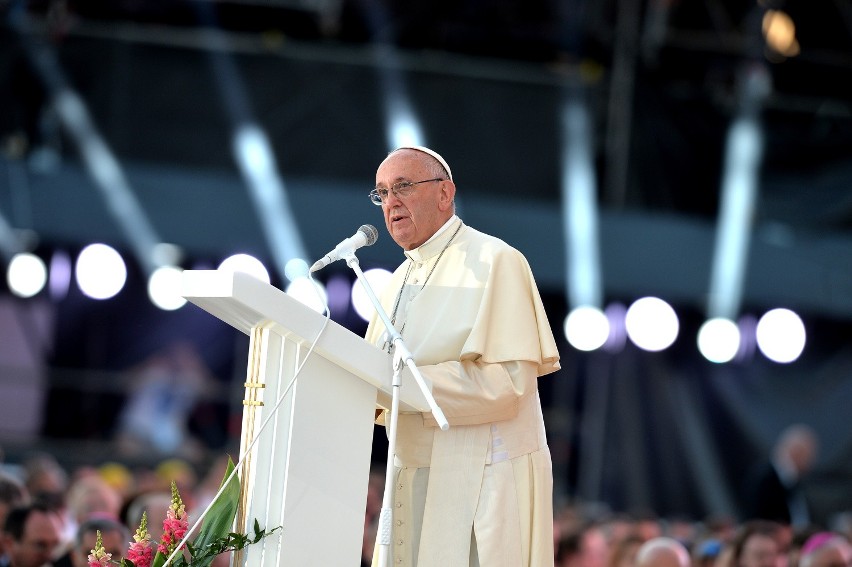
[(399, 190)]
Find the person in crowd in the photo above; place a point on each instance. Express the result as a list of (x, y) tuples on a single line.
[(154, 504), (797, 542), (706, 552), (90, 495), (115, 538), (826, 549), (584, 546), (32, 535), (756, 545), (662, 551), (13, 494), (468, 309), (623, 552), (45, 479), (774, 491)]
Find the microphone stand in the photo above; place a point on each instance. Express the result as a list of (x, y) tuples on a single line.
[(401, 355)]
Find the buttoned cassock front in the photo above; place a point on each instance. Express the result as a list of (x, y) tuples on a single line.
[(479, 493)]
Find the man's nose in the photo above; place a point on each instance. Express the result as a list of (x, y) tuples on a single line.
[(393, 197)]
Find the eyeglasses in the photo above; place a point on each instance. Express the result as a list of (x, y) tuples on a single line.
[(379, 195)]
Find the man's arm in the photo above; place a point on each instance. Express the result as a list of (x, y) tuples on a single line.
[(473, 392)]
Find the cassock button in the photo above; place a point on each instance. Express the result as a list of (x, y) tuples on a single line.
[(399, 504), (399, 522), (415, 281), (399, 487), (400, 542)]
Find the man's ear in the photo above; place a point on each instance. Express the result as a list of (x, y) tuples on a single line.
[(447, 196)]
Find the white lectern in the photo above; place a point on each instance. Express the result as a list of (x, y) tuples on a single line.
[(309, 469)]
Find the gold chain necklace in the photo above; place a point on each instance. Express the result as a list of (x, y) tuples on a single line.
[(429, 275)]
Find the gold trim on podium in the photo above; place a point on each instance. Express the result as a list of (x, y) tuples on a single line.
[(251, 402)]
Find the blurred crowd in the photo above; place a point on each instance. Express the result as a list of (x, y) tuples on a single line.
[(50, 516), (589, 538)]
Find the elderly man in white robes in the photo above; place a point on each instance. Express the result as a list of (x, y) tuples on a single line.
[(468, 309)]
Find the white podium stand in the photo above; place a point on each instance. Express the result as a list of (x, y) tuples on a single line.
[(309, 469)]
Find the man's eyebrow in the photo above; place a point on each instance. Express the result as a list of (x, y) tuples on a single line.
[(397, 180)]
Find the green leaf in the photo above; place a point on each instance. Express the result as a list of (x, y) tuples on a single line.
[(219, 520), (158, 560)]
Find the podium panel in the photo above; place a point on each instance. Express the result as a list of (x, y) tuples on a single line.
[(310, 438)]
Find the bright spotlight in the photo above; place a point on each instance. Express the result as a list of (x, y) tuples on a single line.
[(310, 292), (295, 268), (586, 328), (26, 275), (651, 324), (719, 340), (164, 288), (781, 335), (378, 279), (246, 264), (100, 271)]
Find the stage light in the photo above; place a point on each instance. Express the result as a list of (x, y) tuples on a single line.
[(780, 33), (246, 264), (586, 328), (615, 314), (100, 271), (60, 275), (26, 274), (651, 324), (579, 208), (164, 288), (404, 127), (295, 268), (378, 278), (339, 290), (309, 292), (719, 340), (256, 158), (781, 335)]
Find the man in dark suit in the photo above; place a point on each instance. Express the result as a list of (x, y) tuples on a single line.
[(774, 492)]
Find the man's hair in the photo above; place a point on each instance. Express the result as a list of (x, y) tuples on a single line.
[(12, 491), (751, 528), (17, 519), (101, 524)]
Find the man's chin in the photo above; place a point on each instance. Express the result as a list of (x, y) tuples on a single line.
[(403, 238)]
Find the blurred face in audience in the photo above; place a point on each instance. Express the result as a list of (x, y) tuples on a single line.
[(38, 543), (760, 550), (838, 553), (594, 549)]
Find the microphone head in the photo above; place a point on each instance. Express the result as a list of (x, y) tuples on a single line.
[(370, 232)]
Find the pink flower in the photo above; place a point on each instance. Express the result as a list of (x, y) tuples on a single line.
[(99, 557), (141, 552), (175, 525)]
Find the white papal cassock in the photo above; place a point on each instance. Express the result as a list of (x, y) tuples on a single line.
[(479, 493)]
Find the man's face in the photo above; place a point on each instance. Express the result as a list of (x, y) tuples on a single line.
[(40, 540), (759, 551), (413, 219)]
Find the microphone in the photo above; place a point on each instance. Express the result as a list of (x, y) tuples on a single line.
[(366, 236)]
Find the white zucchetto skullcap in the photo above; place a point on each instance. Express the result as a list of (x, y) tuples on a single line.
[(432, 153)]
